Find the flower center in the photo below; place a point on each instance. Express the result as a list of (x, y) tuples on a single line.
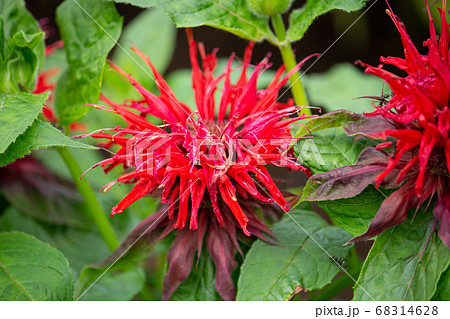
[(438, 166)]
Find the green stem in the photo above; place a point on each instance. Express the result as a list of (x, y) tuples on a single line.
[(344, 281), (290, 62), (146, 294), (93, 209)]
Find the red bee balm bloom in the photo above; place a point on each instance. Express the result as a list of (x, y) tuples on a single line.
[(210, 163), (420, 117)]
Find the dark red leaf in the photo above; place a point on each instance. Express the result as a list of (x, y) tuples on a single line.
[(342, 182), (368, 126), (180, 259), (442, 212), (222, 251)]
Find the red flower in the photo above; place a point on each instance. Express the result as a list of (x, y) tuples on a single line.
[(210, 163), (419, 114), (44, 84)]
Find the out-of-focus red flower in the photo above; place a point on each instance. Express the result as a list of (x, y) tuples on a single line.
[(209, 163), (419, 114), (44, 84)]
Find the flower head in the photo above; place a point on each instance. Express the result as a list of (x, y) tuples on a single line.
[(209, 163), (418, 117)]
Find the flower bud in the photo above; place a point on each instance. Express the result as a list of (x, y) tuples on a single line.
[(268, 7)]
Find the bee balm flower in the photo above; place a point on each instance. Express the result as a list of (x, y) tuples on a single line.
[(209, 164), (420, 116), (416, 119)]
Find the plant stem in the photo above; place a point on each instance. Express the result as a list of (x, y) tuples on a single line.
[(93, 209), (146, 294), (290, 62), (344, 281)]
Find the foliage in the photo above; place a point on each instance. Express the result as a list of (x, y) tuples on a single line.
[(303, 258), (89, 30), (56, 241), (46, 277), (21, 48)]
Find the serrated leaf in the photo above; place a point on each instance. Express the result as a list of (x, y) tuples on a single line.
[(89, 30), (200, 285), (40, 134), (32, 270), (395, 268), (274, 272), (301, 19), (229, 15), (158, 42), (116, 286), (329, 149), (17, 112)]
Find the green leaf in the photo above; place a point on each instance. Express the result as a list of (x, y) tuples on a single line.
[(329, 120), (329, 149), (17, 112), (158, 41), (229, 15), (32, 270), (274, 272), (17, 18), (200, 285), (20, 68), (269, 7), (89, 30), (301, 19), (21, 47), (395, 268), (443, 287), (113, 264), (355, 214), (70, 241), (40, 134), (336, 89), (116, 286), (133, 250)]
